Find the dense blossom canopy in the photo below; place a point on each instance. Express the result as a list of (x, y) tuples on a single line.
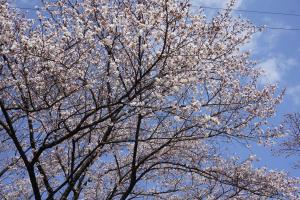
[(124, 99)]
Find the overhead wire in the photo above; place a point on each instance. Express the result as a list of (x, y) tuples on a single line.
[(219, 8), (207, 7), (260, 12), (251, 11)]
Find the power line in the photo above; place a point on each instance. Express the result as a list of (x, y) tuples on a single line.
[(209, 7), (282, 28), (24, 8), (252, 11), (219, 8), (261, 12)]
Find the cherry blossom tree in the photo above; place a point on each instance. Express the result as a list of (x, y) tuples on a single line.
[(290, 146), (131, 99)]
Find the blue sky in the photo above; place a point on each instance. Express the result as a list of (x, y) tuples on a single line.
[(277, 52)]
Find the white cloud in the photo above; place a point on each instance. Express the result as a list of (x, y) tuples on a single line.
[(24, 2), (271, 71), (216, 3), (275, 68), (266, 41), (294, 92), (272, 37), (253, 45), (263, 42), (212, 3)]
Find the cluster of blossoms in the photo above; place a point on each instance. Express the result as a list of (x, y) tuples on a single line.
[(128, 99)]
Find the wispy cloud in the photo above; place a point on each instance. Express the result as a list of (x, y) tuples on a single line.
[(24, 2), (271, 71), (262, 43), (276, 68), (212, 3), (254, 43), (216, 3), (294, 93)]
